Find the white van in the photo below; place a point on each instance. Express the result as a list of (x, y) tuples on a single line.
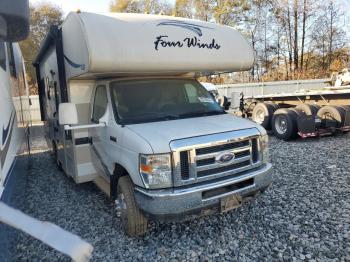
[(123, 108)]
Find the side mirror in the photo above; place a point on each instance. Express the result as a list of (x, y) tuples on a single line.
[(224, 103), (67, 114), (14, 20)]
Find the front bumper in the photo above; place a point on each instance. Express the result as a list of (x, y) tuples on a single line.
[(180, 202)]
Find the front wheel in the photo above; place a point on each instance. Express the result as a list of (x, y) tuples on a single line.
[(133, 221)]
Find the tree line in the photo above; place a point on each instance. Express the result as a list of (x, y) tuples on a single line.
[(292, 39)]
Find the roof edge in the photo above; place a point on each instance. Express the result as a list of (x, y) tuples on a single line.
[(48, 41)]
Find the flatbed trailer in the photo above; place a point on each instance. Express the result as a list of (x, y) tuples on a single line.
[(304, 113)]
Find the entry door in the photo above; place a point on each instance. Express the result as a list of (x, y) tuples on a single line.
[(99, 134)]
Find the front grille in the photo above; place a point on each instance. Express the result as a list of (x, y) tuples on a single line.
[(202, 163), (242, 153), (213, 149), (223, 169), (207, 161), (185, 169), (211, 160), (255, 150)]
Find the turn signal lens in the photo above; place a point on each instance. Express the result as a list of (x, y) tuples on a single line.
[(156, 170)]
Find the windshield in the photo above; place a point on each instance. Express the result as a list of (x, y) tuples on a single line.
[(140, 101)]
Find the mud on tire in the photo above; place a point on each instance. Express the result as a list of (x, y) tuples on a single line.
[(133, 221)]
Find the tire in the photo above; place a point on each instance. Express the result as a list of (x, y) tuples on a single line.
[(346, 109), (275, 107), (284, 124), (332, 113), (134, 222), (309, 110), (262, 114)]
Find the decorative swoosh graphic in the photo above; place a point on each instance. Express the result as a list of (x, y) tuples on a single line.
[(73, 64), (192, 27), (4, 150), (6, 130)]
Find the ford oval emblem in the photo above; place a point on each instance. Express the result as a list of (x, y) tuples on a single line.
[(225, 157)]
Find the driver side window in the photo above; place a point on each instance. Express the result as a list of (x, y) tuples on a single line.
[(100, 103)]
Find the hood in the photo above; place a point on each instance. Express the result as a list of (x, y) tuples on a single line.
[(160, 134)]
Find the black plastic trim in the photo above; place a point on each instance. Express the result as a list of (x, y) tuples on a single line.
[(82, 141)]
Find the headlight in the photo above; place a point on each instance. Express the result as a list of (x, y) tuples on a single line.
[(155, 170), (264, 140)]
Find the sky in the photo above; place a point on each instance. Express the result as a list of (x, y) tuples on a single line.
[(96, 6)]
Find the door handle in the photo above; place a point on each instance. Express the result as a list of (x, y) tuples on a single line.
[(112, 138)]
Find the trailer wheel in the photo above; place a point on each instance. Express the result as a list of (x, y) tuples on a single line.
[(332, 113), (274, 106), (309, 110), (133, 221), (284, 124), (262, 114)]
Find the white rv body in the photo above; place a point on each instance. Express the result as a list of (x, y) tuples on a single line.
[(14, 135), (14, 114), (93, 56), (110, 45)]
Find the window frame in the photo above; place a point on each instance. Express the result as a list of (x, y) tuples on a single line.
[(11, 60), (3, 48), (94, 102)]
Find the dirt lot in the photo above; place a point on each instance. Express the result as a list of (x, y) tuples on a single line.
[(304, 215)]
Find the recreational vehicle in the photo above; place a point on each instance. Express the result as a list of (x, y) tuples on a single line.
[(14, 108), (122, 107), (14, 111)]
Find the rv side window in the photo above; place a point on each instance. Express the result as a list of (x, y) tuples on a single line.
[(2, 55), (11, 59), (100, 103)]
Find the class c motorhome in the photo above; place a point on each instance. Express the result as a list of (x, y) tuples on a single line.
[(122, 108)]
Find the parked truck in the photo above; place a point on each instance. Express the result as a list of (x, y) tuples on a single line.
[(314, 108), (122, 107)]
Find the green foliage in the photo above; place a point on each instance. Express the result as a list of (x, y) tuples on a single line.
[(42, 16)]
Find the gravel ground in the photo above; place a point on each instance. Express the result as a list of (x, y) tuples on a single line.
[(304, 215)]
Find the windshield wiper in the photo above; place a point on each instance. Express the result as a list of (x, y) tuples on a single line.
[(202, 113), (150, 116), (155, 115)]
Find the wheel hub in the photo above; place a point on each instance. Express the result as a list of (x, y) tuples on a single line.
[(281, 125), (120, 205)]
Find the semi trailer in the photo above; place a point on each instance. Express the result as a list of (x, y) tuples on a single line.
[(122, 108), (306, 112)]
